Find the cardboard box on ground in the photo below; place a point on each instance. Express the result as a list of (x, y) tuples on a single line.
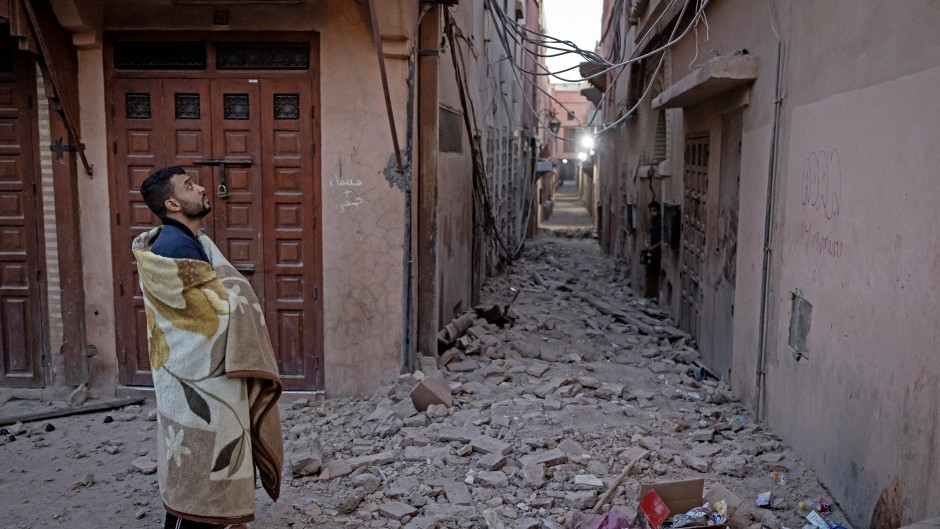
[(682, 496)]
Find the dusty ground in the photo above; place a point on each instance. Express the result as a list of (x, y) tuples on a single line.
[(566, 380)]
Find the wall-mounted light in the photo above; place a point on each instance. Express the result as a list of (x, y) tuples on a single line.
[(587, 142), (582, 156), (553, 122), (565, 160)]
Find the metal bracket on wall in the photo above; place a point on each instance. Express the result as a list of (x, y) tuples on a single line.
[(59, 148)]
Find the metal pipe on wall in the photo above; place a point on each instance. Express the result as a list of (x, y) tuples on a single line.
[(768, 232)]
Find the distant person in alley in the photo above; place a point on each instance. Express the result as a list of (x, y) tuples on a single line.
[(214, 371), (652, 254)]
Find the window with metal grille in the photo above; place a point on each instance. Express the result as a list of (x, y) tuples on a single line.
[(262, 55), (159, 55), (450, 131)]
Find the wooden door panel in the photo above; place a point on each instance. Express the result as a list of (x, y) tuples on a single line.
[(139, 149), (188, 132), (21, 315), (239, 217), (291, 231), (140, 115)]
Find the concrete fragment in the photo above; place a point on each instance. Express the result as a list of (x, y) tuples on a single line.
[(589, 381), (431, 391), (770, 459), (422, 522), (437, 411), (145, 465), (463, 366), (423, 453), (461, 435), (704, 435), (396, 510), (476, 388), (488, 445), (587, 482), (581, 499), (697, 463), (400, 487), (526, 523), (706, 449), (78, 396), (493, 461), (351, 501), (334, 469), (493, 520), (537, 369), (631, 453), (549, 387), (382, 458), (457, 493), (548, 458), (307, 465), (446, 512), (367, 481), (534, 475), (731, 466), (493, 479), (650, 443), (550, 353), (609, 391)]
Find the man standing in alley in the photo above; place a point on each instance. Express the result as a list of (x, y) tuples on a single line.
[(652, 254), (214, 371)]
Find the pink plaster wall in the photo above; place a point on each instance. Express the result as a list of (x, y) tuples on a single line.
[(863, 408), (859, 234)]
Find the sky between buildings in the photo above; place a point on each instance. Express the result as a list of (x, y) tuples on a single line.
[(576, 20)]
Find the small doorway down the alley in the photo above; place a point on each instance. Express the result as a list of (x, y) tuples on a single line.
[(240, 116), (695, 191), (716, 351), (22, 318)]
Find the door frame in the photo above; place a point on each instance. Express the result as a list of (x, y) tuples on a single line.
[(311, 76)]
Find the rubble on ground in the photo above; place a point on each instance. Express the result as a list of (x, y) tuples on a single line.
[(528, 417), (523, 425)]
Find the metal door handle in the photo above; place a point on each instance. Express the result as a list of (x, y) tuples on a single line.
[(223, 188)]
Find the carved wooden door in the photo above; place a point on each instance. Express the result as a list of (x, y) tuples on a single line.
[(156, 123), (21, 265), (292, 255), (246, 141)]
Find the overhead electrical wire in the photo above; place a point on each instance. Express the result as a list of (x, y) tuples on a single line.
[(502, 24), (514, 36)]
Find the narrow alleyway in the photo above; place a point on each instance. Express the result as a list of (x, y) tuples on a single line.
[(545, 415), (568, 214)]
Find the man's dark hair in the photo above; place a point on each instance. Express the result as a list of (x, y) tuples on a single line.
[(158, 187), (655, 205)]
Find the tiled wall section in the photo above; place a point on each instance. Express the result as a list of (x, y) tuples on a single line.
[(54, 292)]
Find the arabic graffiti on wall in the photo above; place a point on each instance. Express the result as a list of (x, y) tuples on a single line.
[(348, 189)]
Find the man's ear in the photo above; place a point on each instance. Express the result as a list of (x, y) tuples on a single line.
[(171, 204)]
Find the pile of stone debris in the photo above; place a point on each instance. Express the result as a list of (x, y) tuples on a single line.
[(524, 425)]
